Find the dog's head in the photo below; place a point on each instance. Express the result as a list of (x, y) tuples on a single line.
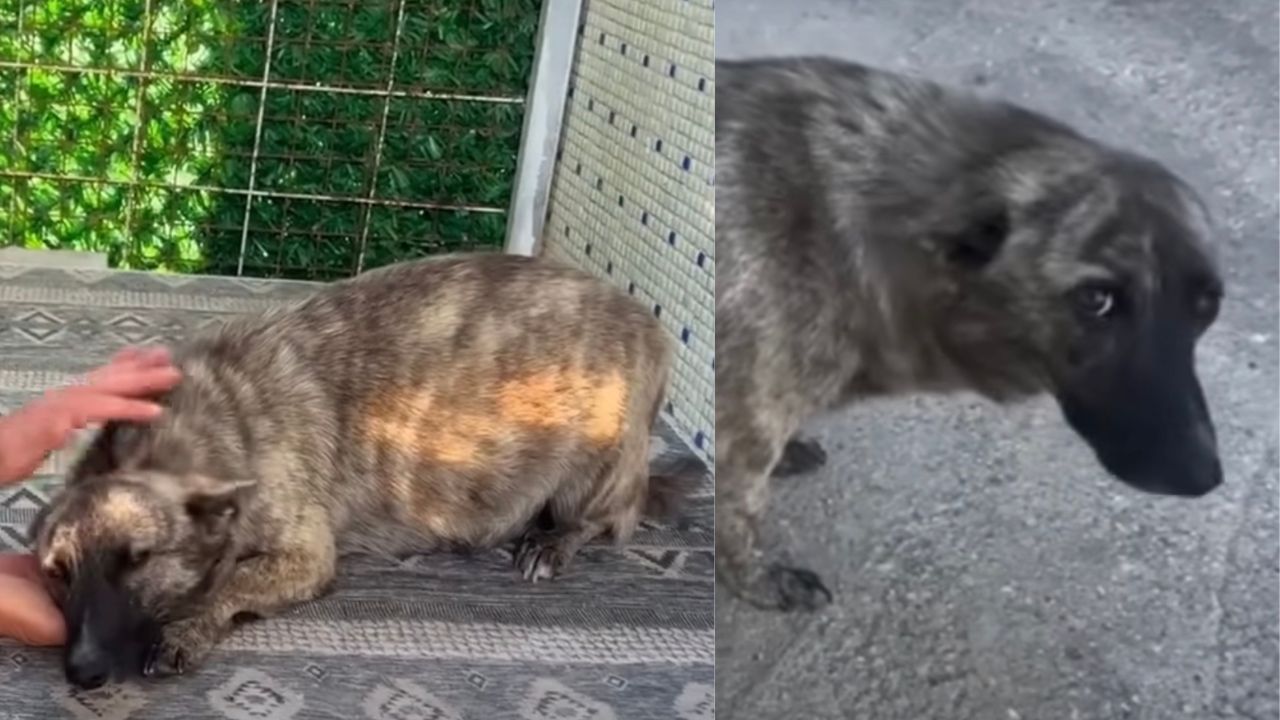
[(124, 552), (1097, 274)]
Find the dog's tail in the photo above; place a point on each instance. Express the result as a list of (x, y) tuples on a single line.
[(671, 481)]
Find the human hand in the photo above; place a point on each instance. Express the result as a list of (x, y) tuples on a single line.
[(27, 613), (114, 391)]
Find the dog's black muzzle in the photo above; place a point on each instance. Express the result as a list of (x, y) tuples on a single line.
[(108, 634)]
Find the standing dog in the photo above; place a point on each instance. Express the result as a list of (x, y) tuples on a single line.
[(879, 234), (449, 402)]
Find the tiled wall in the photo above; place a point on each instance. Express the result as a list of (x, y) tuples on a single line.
[(633, 198)]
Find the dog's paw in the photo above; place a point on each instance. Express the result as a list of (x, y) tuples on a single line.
[(540, 556), (800, 456), (778, 587), (797, 589), (182, 647)]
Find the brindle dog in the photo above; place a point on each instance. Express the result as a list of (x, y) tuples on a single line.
[(457, 402), (880, 234)]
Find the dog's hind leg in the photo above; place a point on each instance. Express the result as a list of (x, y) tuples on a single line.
[(744, 461), (612, 504)]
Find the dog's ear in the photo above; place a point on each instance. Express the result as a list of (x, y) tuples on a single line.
[(970, 228), (213, 505), (112, 448), (102, 455)]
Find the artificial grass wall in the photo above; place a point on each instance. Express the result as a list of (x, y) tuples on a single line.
[(129, 127)]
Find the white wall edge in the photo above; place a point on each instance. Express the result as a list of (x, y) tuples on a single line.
[(543, 119)]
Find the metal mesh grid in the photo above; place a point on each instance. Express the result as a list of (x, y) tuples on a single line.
[(284, 138)]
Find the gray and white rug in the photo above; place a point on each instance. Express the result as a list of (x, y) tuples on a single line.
[(627, 635)]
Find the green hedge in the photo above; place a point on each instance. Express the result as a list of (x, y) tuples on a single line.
[(198, 129)]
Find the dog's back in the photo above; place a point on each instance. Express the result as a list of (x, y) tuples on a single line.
[(454, 396), (456, 402)]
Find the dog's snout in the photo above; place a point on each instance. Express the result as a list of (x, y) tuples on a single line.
[(1212, 478), (1201, 477), (88, 666), (1201, 467), (1191, 469), (107, 632)]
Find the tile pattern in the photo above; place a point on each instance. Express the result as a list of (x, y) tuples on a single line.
[(633, 199)]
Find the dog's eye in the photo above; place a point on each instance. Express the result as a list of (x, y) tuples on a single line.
[(133, 557), (1096, 301)]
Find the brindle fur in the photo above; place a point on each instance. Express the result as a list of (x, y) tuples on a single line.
[(880, 234), (442, 403)]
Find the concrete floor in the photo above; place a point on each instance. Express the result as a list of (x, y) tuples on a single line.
[(985, 567)]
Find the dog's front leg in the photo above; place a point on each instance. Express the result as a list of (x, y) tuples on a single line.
[(744, 461), (259, 586)]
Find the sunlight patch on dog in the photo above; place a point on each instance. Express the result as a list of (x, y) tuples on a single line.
[(423, 425)]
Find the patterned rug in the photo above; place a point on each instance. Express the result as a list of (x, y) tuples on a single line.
[(628, 634)]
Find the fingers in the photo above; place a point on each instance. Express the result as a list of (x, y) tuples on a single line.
[(131, 379), (142, 356), (118, 391), (126, 355), (133, 358), (85, 407), (21, 564)]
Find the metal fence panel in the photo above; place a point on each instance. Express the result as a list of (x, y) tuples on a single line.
[(287, 138)]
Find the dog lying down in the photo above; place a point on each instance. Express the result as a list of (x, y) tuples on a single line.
[(458, 402)]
